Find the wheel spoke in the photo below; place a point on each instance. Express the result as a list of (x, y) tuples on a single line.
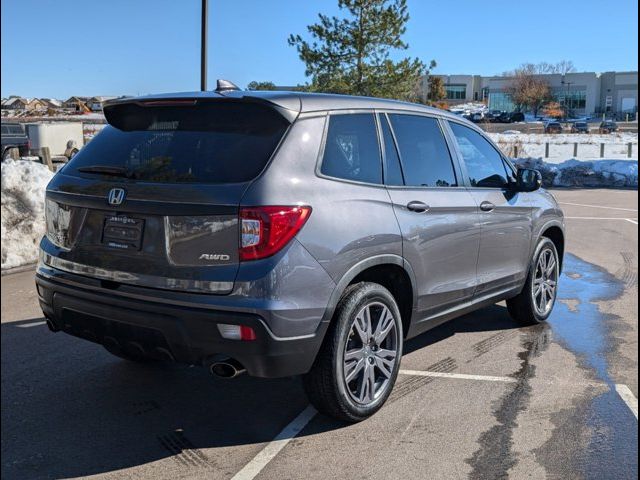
[(363, 325), (367, 384), (385, 325), (551, 267), (355, 354), (385, 360), (538, 290), (353, 369)]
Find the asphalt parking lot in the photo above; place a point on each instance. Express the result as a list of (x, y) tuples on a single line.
[(478, 397)]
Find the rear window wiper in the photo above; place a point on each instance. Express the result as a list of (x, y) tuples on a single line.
[(107, 170)]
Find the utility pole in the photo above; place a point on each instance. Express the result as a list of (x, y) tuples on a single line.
[(203, 47)]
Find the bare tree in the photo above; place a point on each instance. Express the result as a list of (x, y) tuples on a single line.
[(528, 89), (562, 67)]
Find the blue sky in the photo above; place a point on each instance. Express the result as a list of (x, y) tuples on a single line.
[(59, 48)]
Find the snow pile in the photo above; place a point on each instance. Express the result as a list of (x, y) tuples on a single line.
[(562, 146), (576, 173), (470, 107), (23, 187)]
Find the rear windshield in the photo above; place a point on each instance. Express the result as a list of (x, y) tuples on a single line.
[(12, 129), (214, 142)]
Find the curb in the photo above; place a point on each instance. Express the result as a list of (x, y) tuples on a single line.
[(20, 269)]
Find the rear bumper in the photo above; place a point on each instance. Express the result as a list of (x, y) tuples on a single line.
[(176, 329)]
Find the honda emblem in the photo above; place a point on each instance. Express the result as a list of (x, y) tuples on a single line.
[(116, 196)]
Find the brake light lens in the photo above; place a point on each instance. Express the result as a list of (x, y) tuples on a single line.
[(266, 230)]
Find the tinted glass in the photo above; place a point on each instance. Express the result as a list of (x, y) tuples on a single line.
[(392, 171), (423, 150), (221, 142), (351, 151), (484, 164)]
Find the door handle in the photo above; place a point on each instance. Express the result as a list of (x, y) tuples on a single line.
[(417, 206), (487, 206)]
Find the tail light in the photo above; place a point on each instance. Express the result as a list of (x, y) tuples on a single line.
[(266, 230)]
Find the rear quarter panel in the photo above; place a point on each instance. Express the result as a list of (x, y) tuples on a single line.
[(349, 223)]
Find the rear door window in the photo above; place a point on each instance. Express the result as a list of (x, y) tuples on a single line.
[(351, 150), (212, 142), (424, 154), (485, 166)]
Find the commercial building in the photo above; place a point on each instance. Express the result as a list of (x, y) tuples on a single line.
[(584, 94)]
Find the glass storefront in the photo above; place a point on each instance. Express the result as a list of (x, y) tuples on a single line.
[(573, 99), (501, 101), (456, 92)]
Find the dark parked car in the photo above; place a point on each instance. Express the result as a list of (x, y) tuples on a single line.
[(285, 233), (14, 140), (553, 127), (510, 117), (580, 127), (608, 126)]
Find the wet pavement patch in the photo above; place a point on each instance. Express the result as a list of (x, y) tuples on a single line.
[(612, 451), (495, 457), (611, 430)]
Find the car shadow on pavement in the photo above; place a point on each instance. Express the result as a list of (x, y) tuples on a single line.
[(71, 409), (489, 319)]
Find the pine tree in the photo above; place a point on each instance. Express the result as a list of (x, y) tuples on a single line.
[(351, 55)]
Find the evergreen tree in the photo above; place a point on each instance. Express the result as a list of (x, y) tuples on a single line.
[(351, 55), (261, 86)]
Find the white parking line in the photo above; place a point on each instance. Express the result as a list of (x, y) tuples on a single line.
[(460, 376), (255, 466), (635, 222), (269, 452), (629, 398), (599, 206), (28, 325)]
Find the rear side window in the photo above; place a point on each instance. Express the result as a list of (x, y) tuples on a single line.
[(484, 164), (425, 157), (392, 170), (212, 142), (351, 151)]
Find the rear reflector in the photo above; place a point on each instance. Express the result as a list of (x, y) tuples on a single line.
[(236, 332), (266, 230)]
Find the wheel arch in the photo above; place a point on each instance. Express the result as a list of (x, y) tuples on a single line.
[(391, 271), (555, 233)]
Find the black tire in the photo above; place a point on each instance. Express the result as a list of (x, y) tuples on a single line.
[(522, 308), (325, 384)]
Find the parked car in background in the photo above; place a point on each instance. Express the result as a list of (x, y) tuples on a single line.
[(260, 232), (15, 142), (510, 117), (478, 117), (493, 115), (516, 117), (580, 127), (608, 126), (553, 127)]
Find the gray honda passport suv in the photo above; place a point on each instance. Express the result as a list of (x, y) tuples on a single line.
[(287, 233)]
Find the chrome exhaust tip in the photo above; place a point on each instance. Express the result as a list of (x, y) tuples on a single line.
[(228, 368)]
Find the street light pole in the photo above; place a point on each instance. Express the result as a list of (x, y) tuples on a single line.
[(203, 47)]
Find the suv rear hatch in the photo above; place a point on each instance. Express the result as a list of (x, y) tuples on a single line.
[(153, 200)]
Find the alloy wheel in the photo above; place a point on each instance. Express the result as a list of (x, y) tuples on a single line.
[(370, 353), (545, 282)]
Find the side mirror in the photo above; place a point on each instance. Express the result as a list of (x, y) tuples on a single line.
[(528, 180)]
